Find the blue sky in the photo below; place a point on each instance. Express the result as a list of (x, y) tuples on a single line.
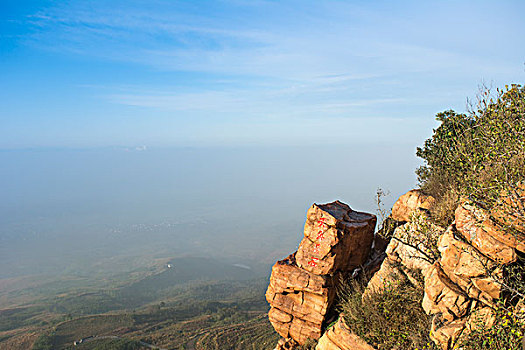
[(239, 72)]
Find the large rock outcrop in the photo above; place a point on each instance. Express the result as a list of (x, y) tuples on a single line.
[(474, 273), (464, 283), (299, 300), (410, 244), (459, 270), (303, 286), (442, 295)]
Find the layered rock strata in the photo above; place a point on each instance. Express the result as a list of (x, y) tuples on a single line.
[(474, 273), (336, 238), (465, 282), (299, 300), (303, 286), (459, 269), (476, 226)]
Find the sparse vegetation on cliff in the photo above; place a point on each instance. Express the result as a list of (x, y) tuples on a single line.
[(390, 319), (478, 155), (475, 175)]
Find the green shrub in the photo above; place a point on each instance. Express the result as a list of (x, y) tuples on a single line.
[(478, 155), (391, 319)]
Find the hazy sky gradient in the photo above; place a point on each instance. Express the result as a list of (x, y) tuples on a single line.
[(239, 72)]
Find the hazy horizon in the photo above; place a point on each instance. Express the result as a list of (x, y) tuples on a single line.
[(133, 131), (92, 204)]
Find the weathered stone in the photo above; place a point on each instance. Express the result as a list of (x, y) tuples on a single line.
[(336, 238), (441, 295), (429, 306), (286, 344), (410, 244), (339, 337), (299, 300), (471, 271), (279, 316), (475, 225), (447, 335), (480, 319), (411, 202), (288, 277), (301, 330)]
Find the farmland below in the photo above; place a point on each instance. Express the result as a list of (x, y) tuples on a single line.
[(183, 303)]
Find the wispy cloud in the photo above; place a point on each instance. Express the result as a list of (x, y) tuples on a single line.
[(233, 42), (269, 103), (288, 62)]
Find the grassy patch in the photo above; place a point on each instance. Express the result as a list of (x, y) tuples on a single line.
[(391, 319)]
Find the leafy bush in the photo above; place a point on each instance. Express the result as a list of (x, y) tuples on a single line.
[(478, 155), (390, 319)]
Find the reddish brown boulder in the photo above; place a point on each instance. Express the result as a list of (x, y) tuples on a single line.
[(492, 240), (411, 202), (441, 295), (339, 337), (336, 238), (474, 273), (299, 300)]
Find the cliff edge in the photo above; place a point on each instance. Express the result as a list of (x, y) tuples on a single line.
[(459, 271)]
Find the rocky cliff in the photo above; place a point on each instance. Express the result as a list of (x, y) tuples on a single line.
[(303, 286), (459, 269)]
